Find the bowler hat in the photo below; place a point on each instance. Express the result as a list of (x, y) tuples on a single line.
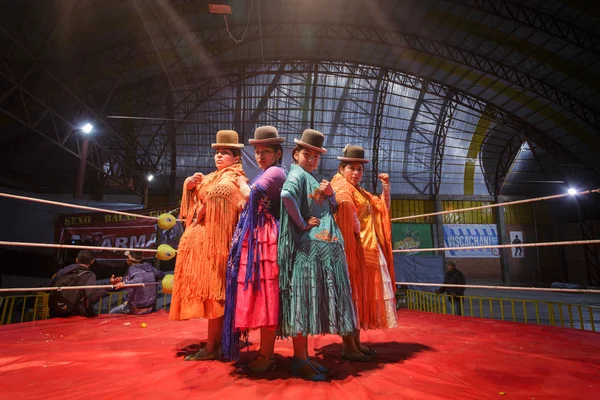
[(266, 135), (354, 154), (228, 139), (312, 139)]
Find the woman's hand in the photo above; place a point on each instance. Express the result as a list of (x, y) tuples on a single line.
[(384, 178), (312, 222), (192, 181), (326, 187)]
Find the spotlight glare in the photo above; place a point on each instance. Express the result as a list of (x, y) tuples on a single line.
[(87, 128), (572, 191), (150, 177)]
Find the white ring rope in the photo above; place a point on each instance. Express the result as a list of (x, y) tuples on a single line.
[(509, 203), (500, 246), (73, 246), (58, 203), (61, 288), (534, 289)]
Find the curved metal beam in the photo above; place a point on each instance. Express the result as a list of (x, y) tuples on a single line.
[(219, 41), (536, 19)]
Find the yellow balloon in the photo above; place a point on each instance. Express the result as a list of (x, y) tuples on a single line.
[(166, 221), (167, 284), (165, 252)]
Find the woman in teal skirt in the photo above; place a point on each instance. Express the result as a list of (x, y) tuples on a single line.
[(314, 284)]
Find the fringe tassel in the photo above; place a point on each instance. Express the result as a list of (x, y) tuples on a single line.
[(344, 217), (286, 248), (375, 292), (188, 205), (230, 338), (253, 263)]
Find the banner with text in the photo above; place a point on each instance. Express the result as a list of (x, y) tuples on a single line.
[(412, 236), (467, 235), (111, 230)]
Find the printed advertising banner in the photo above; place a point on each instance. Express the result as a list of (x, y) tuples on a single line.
[(412, 236), (467, 235), (111, 230)]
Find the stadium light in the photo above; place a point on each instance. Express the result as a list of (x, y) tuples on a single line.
[(87, 128)]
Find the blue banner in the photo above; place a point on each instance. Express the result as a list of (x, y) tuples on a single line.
[(468, 235)]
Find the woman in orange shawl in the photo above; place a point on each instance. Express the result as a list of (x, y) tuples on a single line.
[(364, 220), (210, 206)]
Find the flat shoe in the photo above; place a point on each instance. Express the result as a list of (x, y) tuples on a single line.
[(370, 352), (247, 369), (202, 355), (309, 374), (356, 357), (320, 368)]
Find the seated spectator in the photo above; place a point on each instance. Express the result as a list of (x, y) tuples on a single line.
[(140, 299), (65, 303)]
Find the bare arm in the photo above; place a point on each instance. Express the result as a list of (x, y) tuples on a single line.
[(244, 187)]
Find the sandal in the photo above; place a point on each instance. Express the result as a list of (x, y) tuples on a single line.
[(369, 352), (309, 374), (202, 355), (320, 368), (247, 369), (356, 356)]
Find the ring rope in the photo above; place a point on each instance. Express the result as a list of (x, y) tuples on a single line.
[(509, 203), (58, 203), (500, 246), (534, 289), (61, 288), (74, 246)]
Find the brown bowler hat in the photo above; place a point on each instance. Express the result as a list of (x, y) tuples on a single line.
[(266, 135), (228, 139), (312, 139), (354, 154)]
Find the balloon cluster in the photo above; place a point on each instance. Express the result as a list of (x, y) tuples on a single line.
[(164, 251)]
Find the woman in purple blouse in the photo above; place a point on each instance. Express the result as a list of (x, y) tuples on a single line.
[(252, 296)]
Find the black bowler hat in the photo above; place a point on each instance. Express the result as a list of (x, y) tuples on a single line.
[(353, 154), (312, 139), (266, 135)]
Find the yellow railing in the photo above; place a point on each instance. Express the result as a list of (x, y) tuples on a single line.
[(31, 307), (21, 308), (517, 310)]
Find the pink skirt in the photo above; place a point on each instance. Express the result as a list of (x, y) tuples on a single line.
[(259, 308)]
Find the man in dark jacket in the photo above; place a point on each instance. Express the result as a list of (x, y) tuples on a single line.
[(65, 303), (140, 299), (455, 294)]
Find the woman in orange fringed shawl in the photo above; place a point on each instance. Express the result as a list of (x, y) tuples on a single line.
[(210, 206), (364, 220)]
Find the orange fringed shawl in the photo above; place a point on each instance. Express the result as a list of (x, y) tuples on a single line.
[(357, 206), (199, 288)]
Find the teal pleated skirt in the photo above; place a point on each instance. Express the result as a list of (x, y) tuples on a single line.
[(318, 298)]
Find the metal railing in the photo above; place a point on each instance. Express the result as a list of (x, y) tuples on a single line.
[(32, 307), (23, 307), (541, 312)]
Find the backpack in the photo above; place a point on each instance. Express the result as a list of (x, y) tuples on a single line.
[(66, 302)]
